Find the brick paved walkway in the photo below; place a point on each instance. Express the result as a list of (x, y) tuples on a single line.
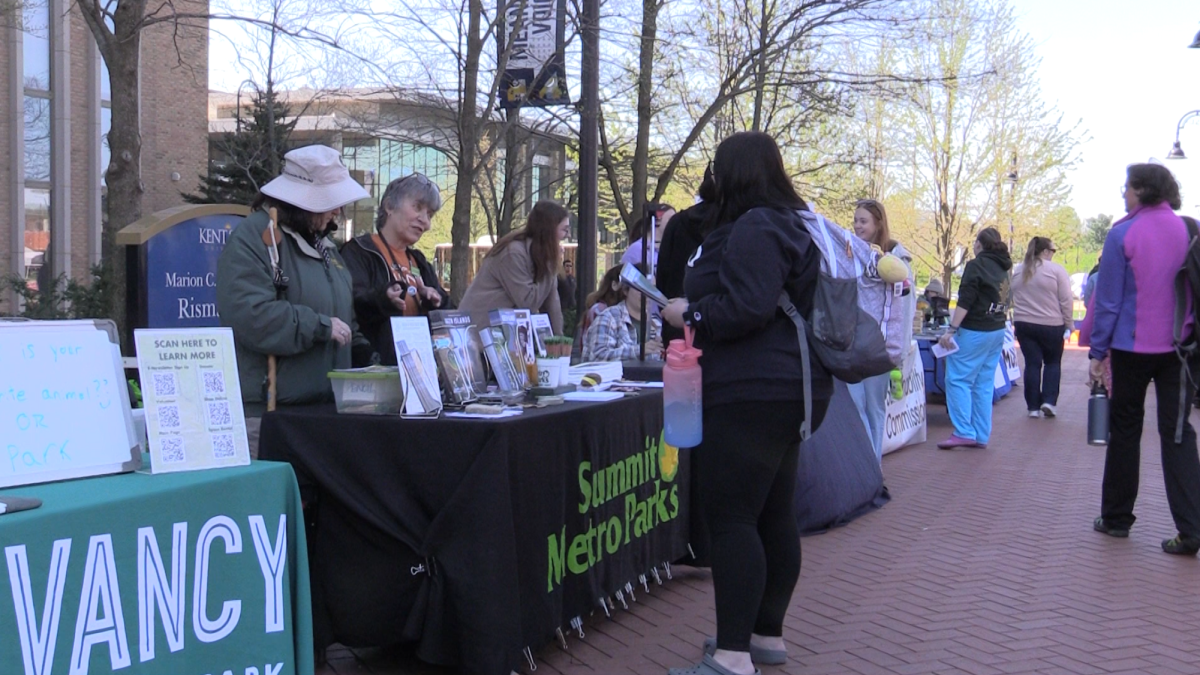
[(984, 562)]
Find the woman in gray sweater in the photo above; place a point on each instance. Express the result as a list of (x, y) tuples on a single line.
[(521, 270)]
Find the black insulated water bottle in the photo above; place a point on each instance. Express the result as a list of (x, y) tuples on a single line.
[(1098, 416)]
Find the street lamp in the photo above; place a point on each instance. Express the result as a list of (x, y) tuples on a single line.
[(1012, 179), (238, 114), (1177, 150)]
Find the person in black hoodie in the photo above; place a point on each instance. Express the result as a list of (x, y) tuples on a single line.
[(391, 278), (978, 327), (753, 396), (682, 237)]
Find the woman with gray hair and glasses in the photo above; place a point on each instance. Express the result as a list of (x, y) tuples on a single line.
[(391, 278)]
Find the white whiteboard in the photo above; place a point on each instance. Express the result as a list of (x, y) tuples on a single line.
[(64, 403)]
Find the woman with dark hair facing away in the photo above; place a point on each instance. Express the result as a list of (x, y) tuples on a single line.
[(978, 326), (681, 237), (1043, 316), (521, 270), (871, 395), (391, 278), (746, 466), (1134, 328), (304, 316)]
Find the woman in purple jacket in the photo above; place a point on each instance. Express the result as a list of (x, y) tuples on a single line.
[(1134, 306)]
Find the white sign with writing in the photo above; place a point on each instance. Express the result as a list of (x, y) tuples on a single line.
[(193, 399), (904, 423), (64, 403)]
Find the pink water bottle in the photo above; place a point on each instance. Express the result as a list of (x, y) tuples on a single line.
[(683, 406)]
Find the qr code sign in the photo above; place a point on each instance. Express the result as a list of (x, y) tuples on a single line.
[(222, 446), (164, 385), (214, 383), (218, 414), (172, 450), (168, 417)]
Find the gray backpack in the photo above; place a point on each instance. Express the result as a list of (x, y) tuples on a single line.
[(847, 341)]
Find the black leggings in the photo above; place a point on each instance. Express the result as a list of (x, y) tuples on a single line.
[(746, 471)]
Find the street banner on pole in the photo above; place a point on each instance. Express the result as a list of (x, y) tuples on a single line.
[(535, 72)]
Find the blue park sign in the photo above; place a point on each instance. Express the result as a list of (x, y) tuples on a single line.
[(171, 265)]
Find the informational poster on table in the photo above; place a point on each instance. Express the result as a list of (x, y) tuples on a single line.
[(193, 399), (905, 421)]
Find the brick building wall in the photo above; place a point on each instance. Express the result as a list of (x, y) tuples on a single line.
[(174, 109), (174, 126)]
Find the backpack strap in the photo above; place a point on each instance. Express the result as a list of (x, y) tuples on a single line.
[(785, 303), (1185, 352)]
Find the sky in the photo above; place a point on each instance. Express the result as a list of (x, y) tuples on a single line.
[(1120, 67), (1123, 68)]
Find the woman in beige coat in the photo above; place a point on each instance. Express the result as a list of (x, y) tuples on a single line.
[(1043, 316), (521, 270)]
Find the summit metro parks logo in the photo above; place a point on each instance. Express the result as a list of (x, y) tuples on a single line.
[(655, 466)]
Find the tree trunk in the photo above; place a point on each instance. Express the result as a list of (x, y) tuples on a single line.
[(468, 142), (272, 159), (760, 68), (123, 178), (513, 173), (641, 152)]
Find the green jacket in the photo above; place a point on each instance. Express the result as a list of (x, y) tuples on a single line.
[(296, 328)]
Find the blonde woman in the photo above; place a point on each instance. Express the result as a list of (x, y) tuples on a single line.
[(871, 395), (1043, 311)]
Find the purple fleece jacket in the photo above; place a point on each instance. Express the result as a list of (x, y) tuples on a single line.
[(1135, 289)]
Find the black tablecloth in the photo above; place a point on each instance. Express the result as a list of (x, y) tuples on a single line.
[(643, 371), (471, 537)]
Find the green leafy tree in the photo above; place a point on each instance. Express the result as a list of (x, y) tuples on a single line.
[(1095, 230), (253, 154)]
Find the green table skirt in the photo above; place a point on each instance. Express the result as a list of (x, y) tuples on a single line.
[(194, 573)]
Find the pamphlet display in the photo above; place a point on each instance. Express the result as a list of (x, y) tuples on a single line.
[(64, 404), (543, 331), (457, 351), (519, 332), (510, 325), (418, 372), (509, 378), (193, 399)]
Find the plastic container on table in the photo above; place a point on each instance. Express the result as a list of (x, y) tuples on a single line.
[(375, 390)]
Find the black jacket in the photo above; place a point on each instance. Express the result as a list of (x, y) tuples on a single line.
[(751, 351), (684, 233), (371, 278), (984, 291)]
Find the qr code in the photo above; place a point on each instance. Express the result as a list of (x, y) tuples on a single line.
[(172, 450), (214, 383), (218, 414), (164, 385), (168, 417), (222, 446)]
